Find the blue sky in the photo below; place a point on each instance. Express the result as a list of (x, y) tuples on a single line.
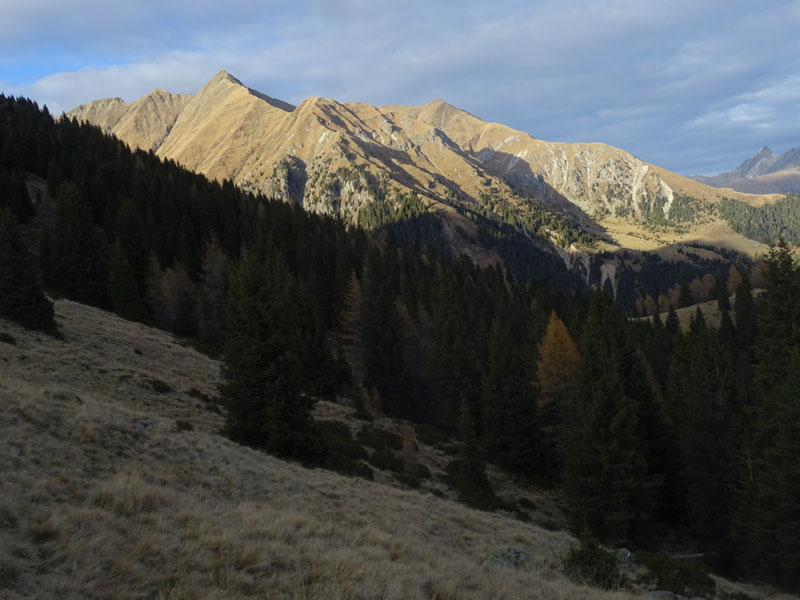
[(696, 87)]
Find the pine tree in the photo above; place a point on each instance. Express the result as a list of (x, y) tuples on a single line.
[(557, 371), (21, 296), (450, 372), (470, 478), (382, 334), (745, 312), (672, 325), (768, 504), (122, 287), (511, 428), (76, 255), (14, 195), (606, 476), (263, 367), (723, 299), (684, 294), (211, 292), (704, 405), (349, 334)]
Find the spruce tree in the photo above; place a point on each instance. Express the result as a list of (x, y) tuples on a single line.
[(768, 504), (263, 367), (212, 289), (14, 195), (122, 288), (470, 477), (606, 476), (21, 296), (447, 358), (511, 428), (77, 251), (703, 403), (557, 371), (383, 335)]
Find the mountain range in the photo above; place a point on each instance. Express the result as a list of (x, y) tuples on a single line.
[(763, 173), (339, 157)]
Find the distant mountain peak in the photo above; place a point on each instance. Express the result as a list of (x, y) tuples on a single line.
[(765, 172)]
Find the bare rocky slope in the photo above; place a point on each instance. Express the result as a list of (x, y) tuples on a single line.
[(336, 158)]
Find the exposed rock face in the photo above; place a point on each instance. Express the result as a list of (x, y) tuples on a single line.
[(336, 158), (763, 173)]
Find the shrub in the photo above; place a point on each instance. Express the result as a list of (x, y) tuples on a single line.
[(408, 479), (386, 460), (684, 577), (430, 435), (195, 393), (419, 471), (589, 564), (183, 425), (341, 453), (479, 497), (379, 439), (338, 441), (160, 387)]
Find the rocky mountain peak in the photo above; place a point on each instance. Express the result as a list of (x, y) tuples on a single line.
[(341, 157)]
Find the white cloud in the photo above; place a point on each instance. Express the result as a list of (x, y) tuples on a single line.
[(178, 72)]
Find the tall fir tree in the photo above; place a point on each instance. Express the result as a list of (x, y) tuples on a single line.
[(382, 335), (511, 428), (768, 504), (703, 403), (76, 251), (557, 370), (123, 290), (21, 296), (606, 477), (14, 195), (262, 366), (450, 370)]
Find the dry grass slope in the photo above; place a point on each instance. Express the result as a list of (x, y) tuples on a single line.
[(103, 496)]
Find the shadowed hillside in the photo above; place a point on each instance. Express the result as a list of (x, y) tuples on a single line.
[(116, 483)]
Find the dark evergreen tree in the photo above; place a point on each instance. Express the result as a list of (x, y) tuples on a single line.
[(76, 251), (212, 290), (470, 476), (703, 403), (263, 366), (684, 294), (449, 356), (606, 476), (511, 429), (21, 296), (745, 312), (672, 325), (723, 300), (122, 287), (14, 195), (768, 504), (383, 337)]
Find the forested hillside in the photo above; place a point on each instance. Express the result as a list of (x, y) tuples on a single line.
[(766, 223), (652, 433)]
